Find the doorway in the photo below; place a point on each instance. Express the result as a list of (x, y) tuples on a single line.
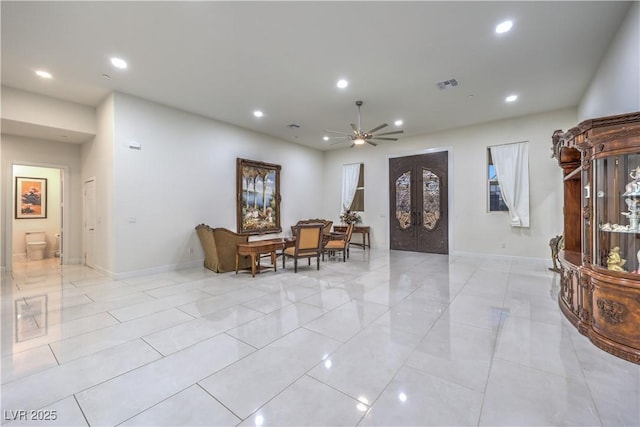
[(419, 203), (89, 222), (36, 193)]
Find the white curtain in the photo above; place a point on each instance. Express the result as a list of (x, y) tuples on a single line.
[(512, 169), (350, 174)]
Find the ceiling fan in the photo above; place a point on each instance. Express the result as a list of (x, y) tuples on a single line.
[(358, 137)]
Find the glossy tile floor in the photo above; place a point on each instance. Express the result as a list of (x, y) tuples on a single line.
[(387, 338)]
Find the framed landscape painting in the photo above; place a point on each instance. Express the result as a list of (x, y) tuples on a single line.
[(31, 197), (258, 199)]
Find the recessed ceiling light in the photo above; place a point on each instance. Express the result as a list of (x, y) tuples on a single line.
[(342, 83), (326, 138), (503, 27), (258, 113), (398, 122), (119, 63), (511, 98), (44, 74)]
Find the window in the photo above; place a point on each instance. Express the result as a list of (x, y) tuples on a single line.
[(495, 202), (358, 199), (352, 187)]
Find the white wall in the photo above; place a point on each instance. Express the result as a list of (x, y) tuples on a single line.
[(474, 229), (97, 163), (27, 107), (185, 174), (615, 88), (19, 150)]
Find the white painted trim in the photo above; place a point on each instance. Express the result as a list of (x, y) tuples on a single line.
[(83, 252), (479, 255), (156, 270)]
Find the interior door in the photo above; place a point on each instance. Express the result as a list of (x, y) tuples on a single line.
[(418, 190), (89, 222)]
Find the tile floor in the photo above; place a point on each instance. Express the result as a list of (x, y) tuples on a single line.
[(387, 338)]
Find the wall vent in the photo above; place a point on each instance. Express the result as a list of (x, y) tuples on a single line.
[(447, 84)]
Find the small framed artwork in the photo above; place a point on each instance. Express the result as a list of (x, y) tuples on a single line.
[(258, 187), (31, 197), (31, 317)]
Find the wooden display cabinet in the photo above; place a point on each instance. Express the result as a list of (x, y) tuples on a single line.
[(600, 262)]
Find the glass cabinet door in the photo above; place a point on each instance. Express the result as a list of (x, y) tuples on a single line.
[(617, 213)]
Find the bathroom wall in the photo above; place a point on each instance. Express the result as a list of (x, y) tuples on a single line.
[(51, 224)]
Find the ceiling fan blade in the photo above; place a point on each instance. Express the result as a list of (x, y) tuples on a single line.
[(333, 131), (352, 145), (390, 133), (372, 143), (384, 139), (378, 128), (339, 142), (355, 129)]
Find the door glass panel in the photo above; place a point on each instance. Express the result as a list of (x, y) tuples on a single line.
[(431, 199), (403, 200)]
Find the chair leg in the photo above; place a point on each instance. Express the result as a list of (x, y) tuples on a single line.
[(295, 265), (344, 255), (318, 261)]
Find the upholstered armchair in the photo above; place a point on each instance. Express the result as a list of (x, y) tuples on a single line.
[(219, 245)]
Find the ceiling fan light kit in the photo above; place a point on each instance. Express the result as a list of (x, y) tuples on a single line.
[(358, 137)]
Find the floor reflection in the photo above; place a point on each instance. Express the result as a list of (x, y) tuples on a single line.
[(387, 338)]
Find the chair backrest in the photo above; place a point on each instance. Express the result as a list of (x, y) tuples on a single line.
[(327, 227), (326, 223), (308, 238), (349, 233)]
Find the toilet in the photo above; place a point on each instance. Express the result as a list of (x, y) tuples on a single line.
[(36, 243)]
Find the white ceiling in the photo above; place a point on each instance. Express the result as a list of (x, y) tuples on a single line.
[(225, 59)]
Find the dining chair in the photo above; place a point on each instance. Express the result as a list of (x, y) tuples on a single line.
[(308, 244), (339, 243)]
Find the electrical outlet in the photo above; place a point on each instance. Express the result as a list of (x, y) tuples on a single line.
[(190, 251)]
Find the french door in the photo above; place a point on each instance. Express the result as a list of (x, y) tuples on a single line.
[(418, 191)]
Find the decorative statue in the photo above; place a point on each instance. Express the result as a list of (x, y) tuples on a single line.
[(556, 245), (634, 186), (615, 261)]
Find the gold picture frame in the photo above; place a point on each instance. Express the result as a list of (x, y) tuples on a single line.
[(258, 197)]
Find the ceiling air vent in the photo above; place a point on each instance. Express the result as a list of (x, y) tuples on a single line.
[(447, 84), (294, 126)]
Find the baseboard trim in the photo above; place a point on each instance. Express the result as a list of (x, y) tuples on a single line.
[(157, 270), (500, 256)]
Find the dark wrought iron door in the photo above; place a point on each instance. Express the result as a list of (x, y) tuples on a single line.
[(418, 205)]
